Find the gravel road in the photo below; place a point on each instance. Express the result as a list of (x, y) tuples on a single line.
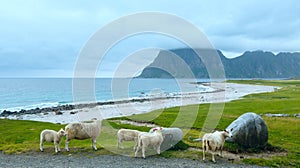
[(104, 161)]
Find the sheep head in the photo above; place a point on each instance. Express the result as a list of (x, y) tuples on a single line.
[(61, 132), (157, 129), (228, 133)]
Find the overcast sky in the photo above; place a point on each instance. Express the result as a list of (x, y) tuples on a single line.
[(44, 38)]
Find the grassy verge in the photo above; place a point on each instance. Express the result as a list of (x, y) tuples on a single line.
[(284, 133), (19, 136), (23, 136)]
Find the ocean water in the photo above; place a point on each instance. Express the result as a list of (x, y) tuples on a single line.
[(30, 93)]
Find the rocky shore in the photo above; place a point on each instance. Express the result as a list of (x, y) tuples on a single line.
[(67, 107), (222, 92)]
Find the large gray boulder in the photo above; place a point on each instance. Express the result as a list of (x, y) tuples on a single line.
[(249, 130)]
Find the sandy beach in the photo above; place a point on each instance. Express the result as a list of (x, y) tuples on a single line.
[(222, 92)]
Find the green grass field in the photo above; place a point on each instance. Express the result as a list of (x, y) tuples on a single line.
[(284, 132)]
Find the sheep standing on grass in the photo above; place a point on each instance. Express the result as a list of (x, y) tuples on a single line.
[(171, 137), (51, 136), (128, 135), (83, 130), (154, 139), (214, 141)]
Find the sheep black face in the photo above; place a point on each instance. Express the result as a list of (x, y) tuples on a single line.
[(228, 133)]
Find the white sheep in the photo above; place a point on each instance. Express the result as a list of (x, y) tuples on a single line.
[(171, 137), (83, 130), (51, 136), (128, 135), (214, 141), (154, 139)]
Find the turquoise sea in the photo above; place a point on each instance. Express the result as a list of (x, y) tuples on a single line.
[(30, 93)]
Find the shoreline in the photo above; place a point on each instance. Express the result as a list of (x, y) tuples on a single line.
[(223, 92)]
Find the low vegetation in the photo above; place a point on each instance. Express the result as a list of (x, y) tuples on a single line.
[(23, 136)]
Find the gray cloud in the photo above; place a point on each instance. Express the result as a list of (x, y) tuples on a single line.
[(266, 25), (46, 37)]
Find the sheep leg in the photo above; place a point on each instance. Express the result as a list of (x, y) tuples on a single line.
[(143, 151), (220, 151), (136, 144), (41, 146), (137, 150), (120, 144), (56, 147), (94, 143), (67, 145), (158, 149), (203, 149), (213, 151), (213, 157)]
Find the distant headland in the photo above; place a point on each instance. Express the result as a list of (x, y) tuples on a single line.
[(251, 64)]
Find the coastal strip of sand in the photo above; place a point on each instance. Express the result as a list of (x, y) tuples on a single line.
[(222, 92)]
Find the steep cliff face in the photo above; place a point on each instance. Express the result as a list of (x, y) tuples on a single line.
[(256, 64), (259, 64)]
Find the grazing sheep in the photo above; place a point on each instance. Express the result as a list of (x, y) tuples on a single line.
[(171, 137), (51, 136), (83, 130), (149, 139), (214, 141), (128, 135)]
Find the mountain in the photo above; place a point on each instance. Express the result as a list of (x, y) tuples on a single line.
[(185, 63)]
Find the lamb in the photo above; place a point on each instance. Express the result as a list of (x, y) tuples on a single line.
[(154, 139), (171, 137), (175, 134), (51, 136), (83, 130), (128, 135), (214, 141)]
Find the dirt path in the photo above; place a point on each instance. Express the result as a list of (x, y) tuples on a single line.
[(104, 161)]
